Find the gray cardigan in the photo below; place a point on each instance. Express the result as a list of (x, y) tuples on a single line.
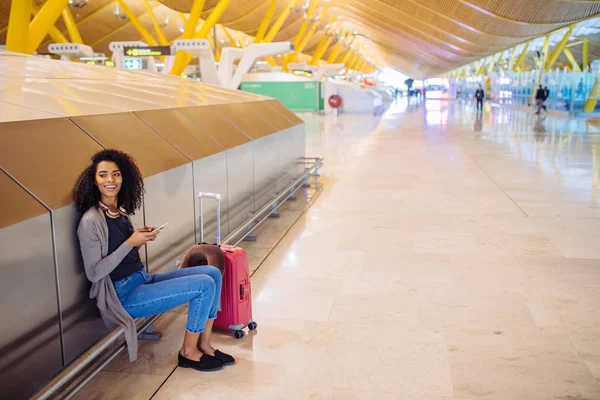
[(93, 240)]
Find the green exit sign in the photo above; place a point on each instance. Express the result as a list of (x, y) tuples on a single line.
[(133, 63)]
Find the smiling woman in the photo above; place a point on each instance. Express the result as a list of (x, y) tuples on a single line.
[(107, 192)]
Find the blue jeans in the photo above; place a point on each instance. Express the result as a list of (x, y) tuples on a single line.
[(144, 295)]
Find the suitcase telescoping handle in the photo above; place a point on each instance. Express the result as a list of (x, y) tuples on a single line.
[(216, 197)]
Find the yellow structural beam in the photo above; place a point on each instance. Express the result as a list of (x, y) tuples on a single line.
[(572, 59), (337, 48), (231, 39), (159, 33), (140, 28), (353, 62), (492, 64), (192, 21), (54, 33), (590, 103), (521, 58), (481, 68), (212, 19), (42, 22), (559, 48), (309, 13), (320, 45), (348, 50), (71, 26), (323, 45), (279, 22), (545, 49), (182, 59), (300, 47), (586, 52), (18, 26), (205, 29), (271, 61), (264, 24)]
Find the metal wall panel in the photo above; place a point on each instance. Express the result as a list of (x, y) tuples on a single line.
[(82, 325), (169, 198), (266, 167), (210, 175), (240, 183), (30, 348)]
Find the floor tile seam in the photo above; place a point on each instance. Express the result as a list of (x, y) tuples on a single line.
[(497, 184), (163, 383)]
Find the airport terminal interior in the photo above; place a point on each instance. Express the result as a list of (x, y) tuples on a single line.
[(405, 194)]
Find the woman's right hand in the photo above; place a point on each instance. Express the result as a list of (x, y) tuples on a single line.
[(141, 236)]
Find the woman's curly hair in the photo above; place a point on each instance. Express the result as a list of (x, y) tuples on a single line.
[(86, 194)]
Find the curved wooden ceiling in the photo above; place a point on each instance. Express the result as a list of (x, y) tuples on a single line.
[(422, 37)]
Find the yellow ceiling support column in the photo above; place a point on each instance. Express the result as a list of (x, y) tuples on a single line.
[(311, 10), (352, 61), (335, 52), (54, 33), (231, 39), (348, 51), (323, 45), (545, 49), (481, 69), (140, 28), (572, 59), (592, 100), (347, 56), (181, 58), (212, 19), (586, 52), (279, 22), (71, 26), (315, 59), (264, 24), (361, 65), (18, 26), (559, 48), (521, 58), (511, 60), (159, 33), (495, 61), (43, 21), (305, 39)]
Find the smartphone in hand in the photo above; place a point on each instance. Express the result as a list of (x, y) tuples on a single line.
[(159, 228)]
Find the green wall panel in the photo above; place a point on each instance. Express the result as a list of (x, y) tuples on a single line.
[(297, 96)]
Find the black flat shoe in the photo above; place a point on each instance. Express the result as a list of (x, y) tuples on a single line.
[(206, 363), (226, 359)]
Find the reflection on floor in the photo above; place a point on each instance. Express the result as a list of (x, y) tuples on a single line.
[(451, 255)]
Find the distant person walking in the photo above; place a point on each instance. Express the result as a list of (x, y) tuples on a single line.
[(539, 99), (479, 95), (546, 96)]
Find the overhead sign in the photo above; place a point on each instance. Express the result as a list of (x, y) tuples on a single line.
[(147, 51), (133, 63), (302, 73)]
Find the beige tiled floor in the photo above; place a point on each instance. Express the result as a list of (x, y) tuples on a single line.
[(439, 263)]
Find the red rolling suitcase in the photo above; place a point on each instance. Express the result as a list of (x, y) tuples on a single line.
[(235, 312)]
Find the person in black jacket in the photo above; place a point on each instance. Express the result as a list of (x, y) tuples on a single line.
[(539, 99), (546, 95), (479, 95)]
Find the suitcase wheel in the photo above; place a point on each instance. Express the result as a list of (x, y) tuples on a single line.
[(252, 326), (239, 334)]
